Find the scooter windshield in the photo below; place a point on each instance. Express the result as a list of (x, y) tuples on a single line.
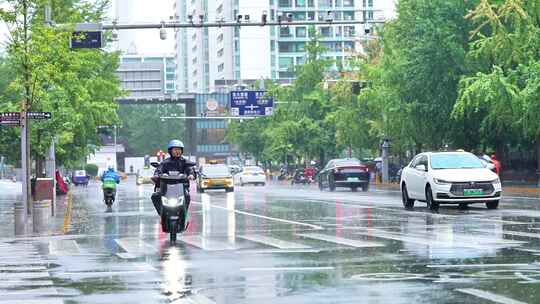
[(175, 190)]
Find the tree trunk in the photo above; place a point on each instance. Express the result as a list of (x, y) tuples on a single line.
[(538, 159)]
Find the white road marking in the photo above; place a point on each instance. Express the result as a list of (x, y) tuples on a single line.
[(136, 246), (486, 295), (209, 244), (270, 241), (478, 265), (286, 268), (514, 233), (265, 217), (63, 247), (340, 240)]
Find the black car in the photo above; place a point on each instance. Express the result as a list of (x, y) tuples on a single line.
[(344, 172)]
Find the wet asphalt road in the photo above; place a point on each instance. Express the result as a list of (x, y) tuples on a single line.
[(276, 244)]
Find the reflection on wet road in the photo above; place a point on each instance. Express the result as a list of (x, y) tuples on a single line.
[(277, 244)]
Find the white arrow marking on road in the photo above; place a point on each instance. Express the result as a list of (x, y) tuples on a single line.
[(489, 296), (340, 240)]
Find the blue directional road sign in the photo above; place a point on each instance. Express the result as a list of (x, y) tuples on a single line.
[(251, 103)]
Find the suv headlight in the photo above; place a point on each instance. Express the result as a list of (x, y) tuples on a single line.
[(441, 181)]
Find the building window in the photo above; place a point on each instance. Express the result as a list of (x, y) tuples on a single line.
[(221, 67), (170, 76), (311, 3), (300, 3), (339, 32), (285, 62), (370, 3), (301, 32), (370, 15), (300, 46), (338, 3), (348, 31), (272, 46), (326, 31), (325, 3), (300, 60), (349, 3), (286, 74), (348, 15), (131, 60), (285, 32), (348, 45), (311, 16), (299, 16), (170, 86), (285, 3), (286, 47)]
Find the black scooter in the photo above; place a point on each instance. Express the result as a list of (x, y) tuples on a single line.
[(173, 202)]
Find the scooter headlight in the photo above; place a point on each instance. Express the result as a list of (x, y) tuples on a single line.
[(172, 202)]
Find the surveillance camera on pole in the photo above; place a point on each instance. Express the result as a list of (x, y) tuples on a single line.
[(246, 18), (264, 17), (239, 18), (163, 32)]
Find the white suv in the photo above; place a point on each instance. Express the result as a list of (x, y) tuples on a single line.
[(450, 178)]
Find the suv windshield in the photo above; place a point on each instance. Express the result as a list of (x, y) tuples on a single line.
[(455, 161)]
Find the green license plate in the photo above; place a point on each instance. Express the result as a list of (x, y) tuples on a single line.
[(472, 192)]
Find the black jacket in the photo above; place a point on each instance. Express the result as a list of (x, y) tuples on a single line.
[(174, 164)]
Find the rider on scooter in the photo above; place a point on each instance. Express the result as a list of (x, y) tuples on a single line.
[(174, 163), (109, 179)]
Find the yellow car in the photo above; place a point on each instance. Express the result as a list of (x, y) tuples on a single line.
[(215, 177), (144, 176)]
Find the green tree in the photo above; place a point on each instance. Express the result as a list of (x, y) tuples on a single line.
[(78, 87), (502, 92), (143, 131)]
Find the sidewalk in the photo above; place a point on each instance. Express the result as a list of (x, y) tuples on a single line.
[(59, 224)]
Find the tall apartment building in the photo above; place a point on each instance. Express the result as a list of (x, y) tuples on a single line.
[(209, 55)]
